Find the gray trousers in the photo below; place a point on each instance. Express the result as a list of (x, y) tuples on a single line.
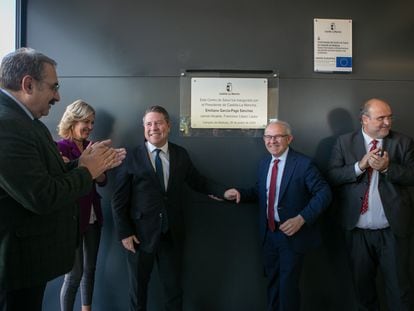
[(83, 271)]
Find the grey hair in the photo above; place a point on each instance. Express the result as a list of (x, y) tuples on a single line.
[(363, 110), (286, 125), (20, 63)]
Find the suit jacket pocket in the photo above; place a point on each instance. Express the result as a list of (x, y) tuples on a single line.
[(136, 215)]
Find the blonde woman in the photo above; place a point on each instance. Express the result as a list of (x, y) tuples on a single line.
[(75, 127)]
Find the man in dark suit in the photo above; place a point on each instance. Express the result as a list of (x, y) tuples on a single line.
[(291, 194), (148, 211), (372, 169), (38, 214)]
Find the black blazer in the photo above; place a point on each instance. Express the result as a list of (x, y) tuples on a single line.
[(393, 186), (38, 213), (138, 200)]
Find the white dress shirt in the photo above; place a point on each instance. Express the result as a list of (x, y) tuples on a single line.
[(375, 217), (165, 159), (280, 169)]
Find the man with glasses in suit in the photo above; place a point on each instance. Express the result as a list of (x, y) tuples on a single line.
[(372, 170), (38, 214), (291, 194)]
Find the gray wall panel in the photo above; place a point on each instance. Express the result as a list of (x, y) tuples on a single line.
[(122, 56), (161, 37)]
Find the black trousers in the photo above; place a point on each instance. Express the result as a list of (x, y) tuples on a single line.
[(168, 258), (22, 299), (370, 250)]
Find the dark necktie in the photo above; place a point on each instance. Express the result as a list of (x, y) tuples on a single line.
[(158, 168), (364, 206), (160, 174), (272, 197)]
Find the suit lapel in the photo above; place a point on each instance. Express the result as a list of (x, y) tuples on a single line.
[(358, 148), (50, 143), (145, 157), (264, 169), (388, 143), (287, 172), (173, 162)]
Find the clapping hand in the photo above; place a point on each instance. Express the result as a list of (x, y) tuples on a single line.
[(100, 157)]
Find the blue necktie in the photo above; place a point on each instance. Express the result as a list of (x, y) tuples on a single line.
[(158, 168)]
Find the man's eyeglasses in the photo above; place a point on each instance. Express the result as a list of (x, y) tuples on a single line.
[(382, 119), (275, 137), (53, 86)]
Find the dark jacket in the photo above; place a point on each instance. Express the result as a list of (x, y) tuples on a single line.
[(69, 149), (393, 186), (138, 201), (38, 223), (302, 191)]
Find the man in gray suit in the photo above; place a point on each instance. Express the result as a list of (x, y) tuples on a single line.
[(373, 169), (38, 213)]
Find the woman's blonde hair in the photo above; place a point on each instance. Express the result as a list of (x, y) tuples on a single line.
[(75, 112)]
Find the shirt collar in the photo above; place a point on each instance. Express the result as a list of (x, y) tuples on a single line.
[(19, 103), (282, 157), (151, 147), (368, 139)]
